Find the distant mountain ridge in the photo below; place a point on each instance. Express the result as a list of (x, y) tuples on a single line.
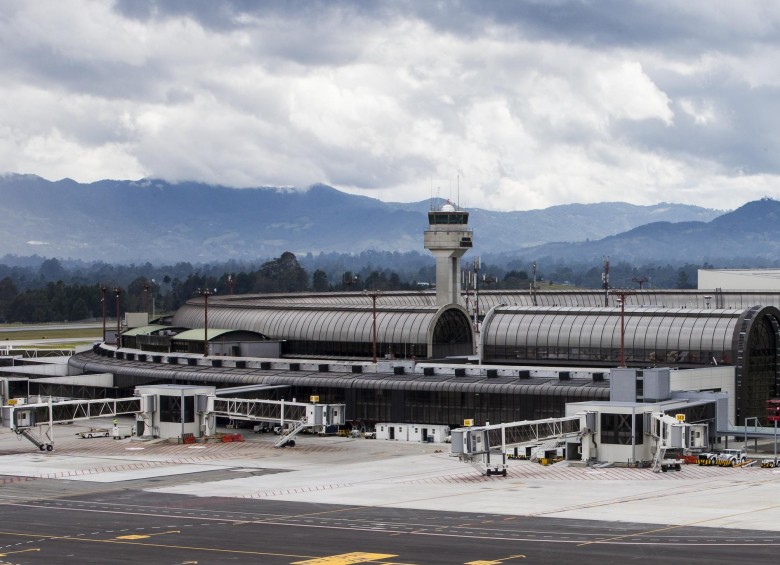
[(750, 234), (153, 220)]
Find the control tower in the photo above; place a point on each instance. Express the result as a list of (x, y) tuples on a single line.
[(448, 238)]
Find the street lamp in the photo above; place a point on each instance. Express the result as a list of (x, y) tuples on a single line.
[(147, 284), (118, 293), (373, 294), (622, 294), (205, 293), (103, 301)]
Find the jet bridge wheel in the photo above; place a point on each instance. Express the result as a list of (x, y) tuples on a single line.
[(49, 447), (42, 447)]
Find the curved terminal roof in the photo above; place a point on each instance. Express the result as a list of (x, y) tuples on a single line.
[(490, 298), (585, 331), (661, 298), (747, 338), (397, 326)]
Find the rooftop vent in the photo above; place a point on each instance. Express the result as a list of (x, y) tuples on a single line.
[(240, 364), (295, 366), (357, 368), (460, 372), (598, 377)]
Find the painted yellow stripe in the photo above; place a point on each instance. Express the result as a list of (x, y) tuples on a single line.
[(346, 559)]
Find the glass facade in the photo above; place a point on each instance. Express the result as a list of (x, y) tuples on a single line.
[(616, 429)]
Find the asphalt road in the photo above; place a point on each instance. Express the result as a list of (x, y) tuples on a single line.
[(112, 524)]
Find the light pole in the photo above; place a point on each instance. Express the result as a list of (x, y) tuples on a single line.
[(622, 294), (773, 415), (205, 293), (147, 284), (373, 294), (118, 293), (231, 284), (103, 301)]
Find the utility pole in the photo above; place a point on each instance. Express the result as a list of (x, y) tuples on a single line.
[(118, 293), (622, 294), (373, 294), (147, 284), (205, 293), (605, 281), (640, 280), (103, 301)]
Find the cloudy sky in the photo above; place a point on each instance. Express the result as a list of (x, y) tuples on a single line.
[(529, 104)]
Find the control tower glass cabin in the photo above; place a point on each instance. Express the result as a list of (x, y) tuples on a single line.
[(448, 237)]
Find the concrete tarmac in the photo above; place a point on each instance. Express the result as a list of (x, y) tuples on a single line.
[(332, 470), (404, 486)]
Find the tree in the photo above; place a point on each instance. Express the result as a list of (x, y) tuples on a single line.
[(319, 282), (281, 275)]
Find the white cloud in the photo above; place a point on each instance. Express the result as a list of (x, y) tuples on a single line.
[(577, 102)]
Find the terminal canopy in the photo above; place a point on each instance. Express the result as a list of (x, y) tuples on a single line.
[(341, 330)]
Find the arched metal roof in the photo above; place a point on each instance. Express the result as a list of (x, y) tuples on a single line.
[(565, 329), (666, 298), (346, 323)]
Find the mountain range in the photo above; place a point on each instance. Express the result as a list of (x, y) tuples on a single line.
[(157, 221)]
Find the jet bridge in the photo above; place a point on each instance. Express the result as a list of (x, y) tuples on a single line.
[(147, 407), (473, 445), (293, 417), (24, 418), (674, 435)]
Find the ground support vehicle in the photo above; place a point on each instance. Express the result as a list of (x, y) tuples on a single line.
[(122, 432), (731, 457), (707, 458), (94, 432), (672, 460)]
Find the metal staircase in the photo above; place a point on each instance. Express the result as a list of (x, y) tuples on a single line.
[(287, 439), (42, 445)]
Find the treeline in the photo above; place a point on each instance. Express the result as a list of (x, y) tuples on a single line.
[(35, 290)]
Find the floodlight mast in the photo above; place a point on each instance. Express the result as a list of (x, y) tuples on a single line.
[(622, 294), (205, 293)]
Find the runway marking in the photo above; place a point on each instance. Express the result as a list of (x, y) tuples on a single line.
[(20, 551), (346, 559), (44, 537), (146, 536), (495, 561)]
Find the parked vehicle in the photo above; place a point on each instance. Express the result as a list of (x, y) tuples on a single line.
[(122, 432), (731, 457), (94, 432)]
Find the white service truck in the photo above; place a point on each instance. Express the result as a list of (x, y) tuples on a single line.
[(731, 457)]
